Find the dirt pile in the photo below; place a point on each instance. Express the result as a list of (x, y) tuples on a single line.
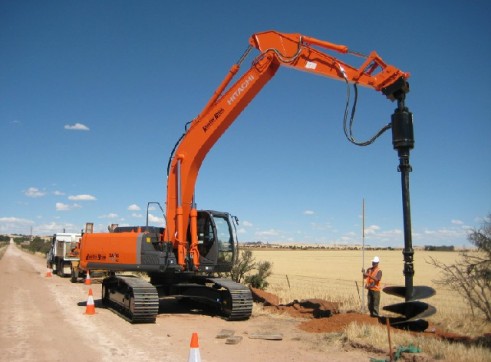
[(306, 308), (321, 316)]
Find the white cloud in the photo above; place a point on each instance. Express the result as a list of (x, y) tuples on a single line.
[(15, 220), (34, 192), (60, 206), (15, 225), (77, 127), (134, 207), (58, 193), (137, 215), (155, 219), (111, 215), (372, 229), (53, 227), (443, 232), (308, 212), (246, 224), (457, 222), (81, 198), (376, 236), (265, 233)]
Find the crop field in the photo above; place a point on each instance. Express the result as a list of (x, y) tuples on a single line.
[(335, 275)]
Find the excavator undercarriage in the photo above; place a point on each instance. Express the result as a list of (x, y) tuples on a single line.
[(137, 300)]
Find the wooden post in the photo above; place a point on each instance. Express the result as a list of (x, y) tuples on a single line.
[(388, 334)]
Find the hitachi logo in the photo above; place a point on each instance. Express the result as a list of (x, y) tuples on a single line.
[(239, 90)]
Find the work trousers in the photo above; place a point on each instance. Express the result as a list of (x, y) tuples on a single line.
[(373, 302)]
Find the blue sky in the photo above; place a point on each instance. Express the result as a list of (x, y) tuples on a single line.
[(94, 95)]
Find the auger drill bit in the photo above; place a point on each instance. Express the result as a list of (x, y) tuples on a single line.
[(412, 310)]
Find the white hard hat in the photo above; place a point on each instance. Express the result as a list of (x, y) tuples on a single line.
[(376, 260)]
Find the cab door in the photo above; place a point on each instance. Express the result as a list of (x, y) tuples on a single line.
[(216, 241)]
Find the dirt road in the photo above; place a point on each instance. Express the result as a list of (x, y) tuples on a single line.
[(43, 319)]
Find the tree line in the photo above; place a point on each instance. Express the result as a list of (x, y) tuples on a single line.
[(36, 245)]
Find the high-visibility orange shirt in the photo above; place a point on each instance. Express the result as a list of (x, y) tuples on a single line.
[(370, 283)]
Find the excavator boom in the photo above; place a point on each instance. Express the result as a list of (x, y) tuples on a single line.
[(229, 100)]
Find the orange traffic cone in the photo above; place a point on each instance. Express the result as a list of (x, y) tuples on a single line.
[(49, 274), (87, 279), (90, 306), (194, 355)]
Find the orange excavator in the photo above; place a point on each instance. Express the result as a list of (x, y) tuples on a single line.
[(183, 258)]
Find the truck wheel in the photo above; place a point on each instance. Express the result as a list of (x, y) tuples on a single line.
[(60, 269), (74, 276)]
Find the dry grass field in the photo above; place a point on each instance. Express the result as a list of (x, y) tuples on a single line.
[(335, 275)]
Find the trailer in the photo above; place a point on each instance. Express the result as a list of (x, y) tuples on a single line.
[(63, 253)]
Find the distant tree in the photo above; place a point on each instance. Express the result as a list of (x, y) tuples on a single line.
[(21, 239), (38, 245), (4, 240), (471, 275)]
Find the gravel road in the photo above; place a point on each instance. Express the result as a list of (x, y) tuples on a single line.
[(43, 319)]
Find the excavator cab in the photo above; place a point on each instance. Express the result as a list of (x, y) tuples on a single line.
[(217, 241)]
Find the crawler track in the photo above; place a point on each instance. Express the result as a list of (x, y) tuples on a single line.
[(236, 299), (132, 298)]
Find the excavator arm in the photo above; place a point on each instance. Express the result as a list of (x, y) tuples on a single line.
[(296, 51), (276, 49)]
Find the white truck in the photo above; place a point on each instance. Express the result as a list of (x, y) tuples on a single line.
[(62, 254)]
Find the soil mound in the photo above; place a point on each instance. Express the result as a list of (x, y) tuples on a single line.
[(306, 308), (321, 316)]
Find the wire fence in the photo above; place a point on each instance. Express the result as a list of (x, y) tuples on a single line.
[(350, 293), (289, 287)]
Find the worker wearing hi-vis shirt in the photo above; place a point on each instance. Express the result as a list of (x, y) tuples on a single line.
[(372, 277)]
